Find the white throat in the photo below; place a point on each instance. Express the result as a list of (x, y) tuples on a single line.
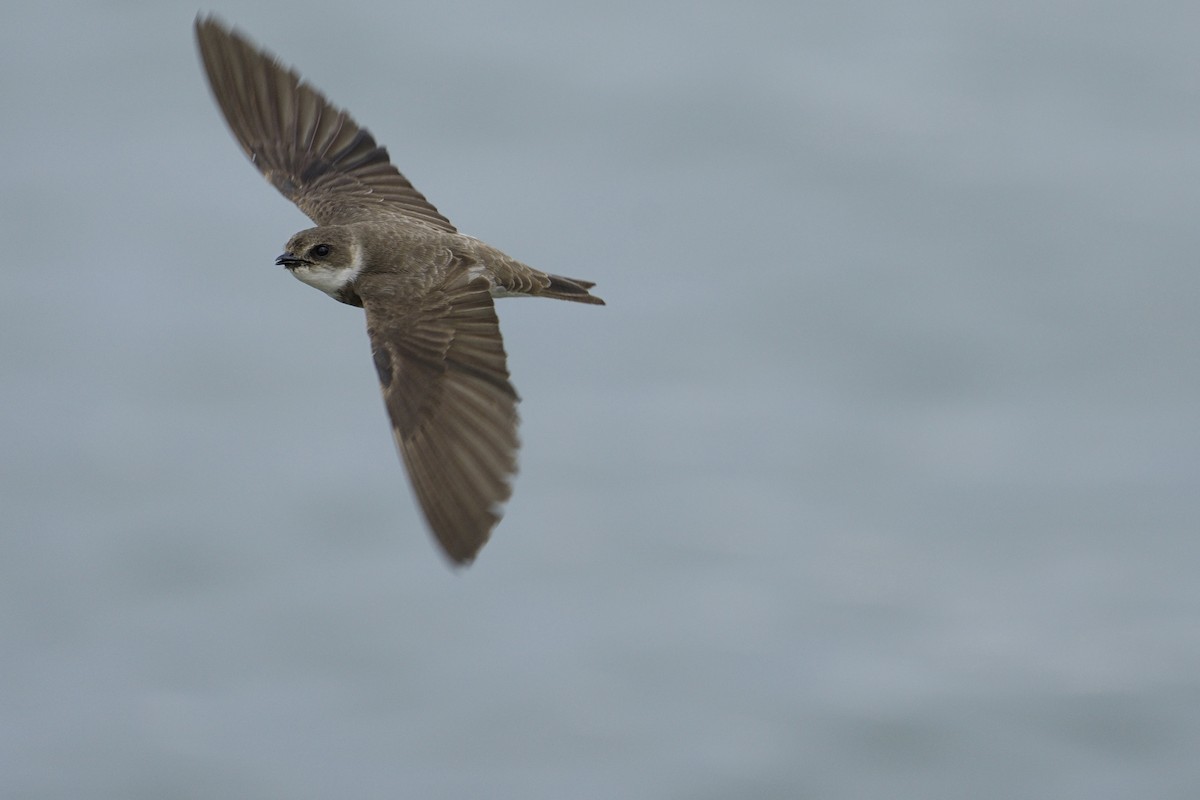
[(330, 280)]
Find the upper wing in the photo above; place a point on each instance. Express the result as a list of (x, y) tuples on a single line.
[(444, 375), (312, 152)]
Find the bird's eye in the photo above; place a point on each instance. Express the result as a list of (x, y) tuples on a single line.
[(321, 250)]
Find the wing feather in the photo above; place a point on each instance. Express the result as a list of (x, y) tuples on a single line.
[(314, 153), (444, 375)]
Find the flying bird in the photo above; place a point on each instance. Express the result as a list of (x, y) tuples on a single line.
[(427, 290)]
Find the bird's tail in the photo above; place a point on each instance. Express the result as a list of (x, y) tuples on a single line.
[(572, 289)]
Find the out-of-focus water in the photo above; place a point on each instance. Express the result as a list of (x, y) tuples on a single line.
[(877, 477)]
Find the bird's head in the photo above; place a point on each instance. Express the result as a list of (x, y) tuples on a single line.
[(328, 257)]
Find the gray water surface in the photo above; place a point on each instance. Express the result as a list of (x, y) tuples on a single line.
[(877, 477)]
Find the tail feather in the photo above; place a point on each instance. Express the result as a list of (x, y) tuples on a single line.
[(573, 289)]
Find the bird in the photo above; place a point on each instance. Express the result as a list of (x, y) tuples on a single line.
[(427, 290)]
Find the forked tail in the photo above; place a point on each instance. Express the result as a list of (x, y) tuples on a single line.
[(572, 289)]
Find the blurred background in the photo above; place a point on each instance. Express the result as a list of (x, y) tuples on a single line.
[(877, 476)]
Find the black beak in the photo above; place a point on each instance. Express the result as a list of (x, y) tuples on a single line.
[(288, 260)]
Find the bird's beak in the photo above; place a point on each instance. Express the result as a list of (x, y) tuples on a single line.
[(288, 260)]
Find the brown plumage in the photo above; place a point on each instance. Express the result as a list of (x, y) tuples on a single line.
[(427, 290)]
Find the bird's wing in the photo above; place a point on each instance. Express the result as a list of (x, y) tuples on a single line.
[(444, 375), (310, 150)]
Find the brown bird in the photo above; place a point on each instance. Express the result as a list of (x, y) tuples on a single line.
[(427, 289)]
